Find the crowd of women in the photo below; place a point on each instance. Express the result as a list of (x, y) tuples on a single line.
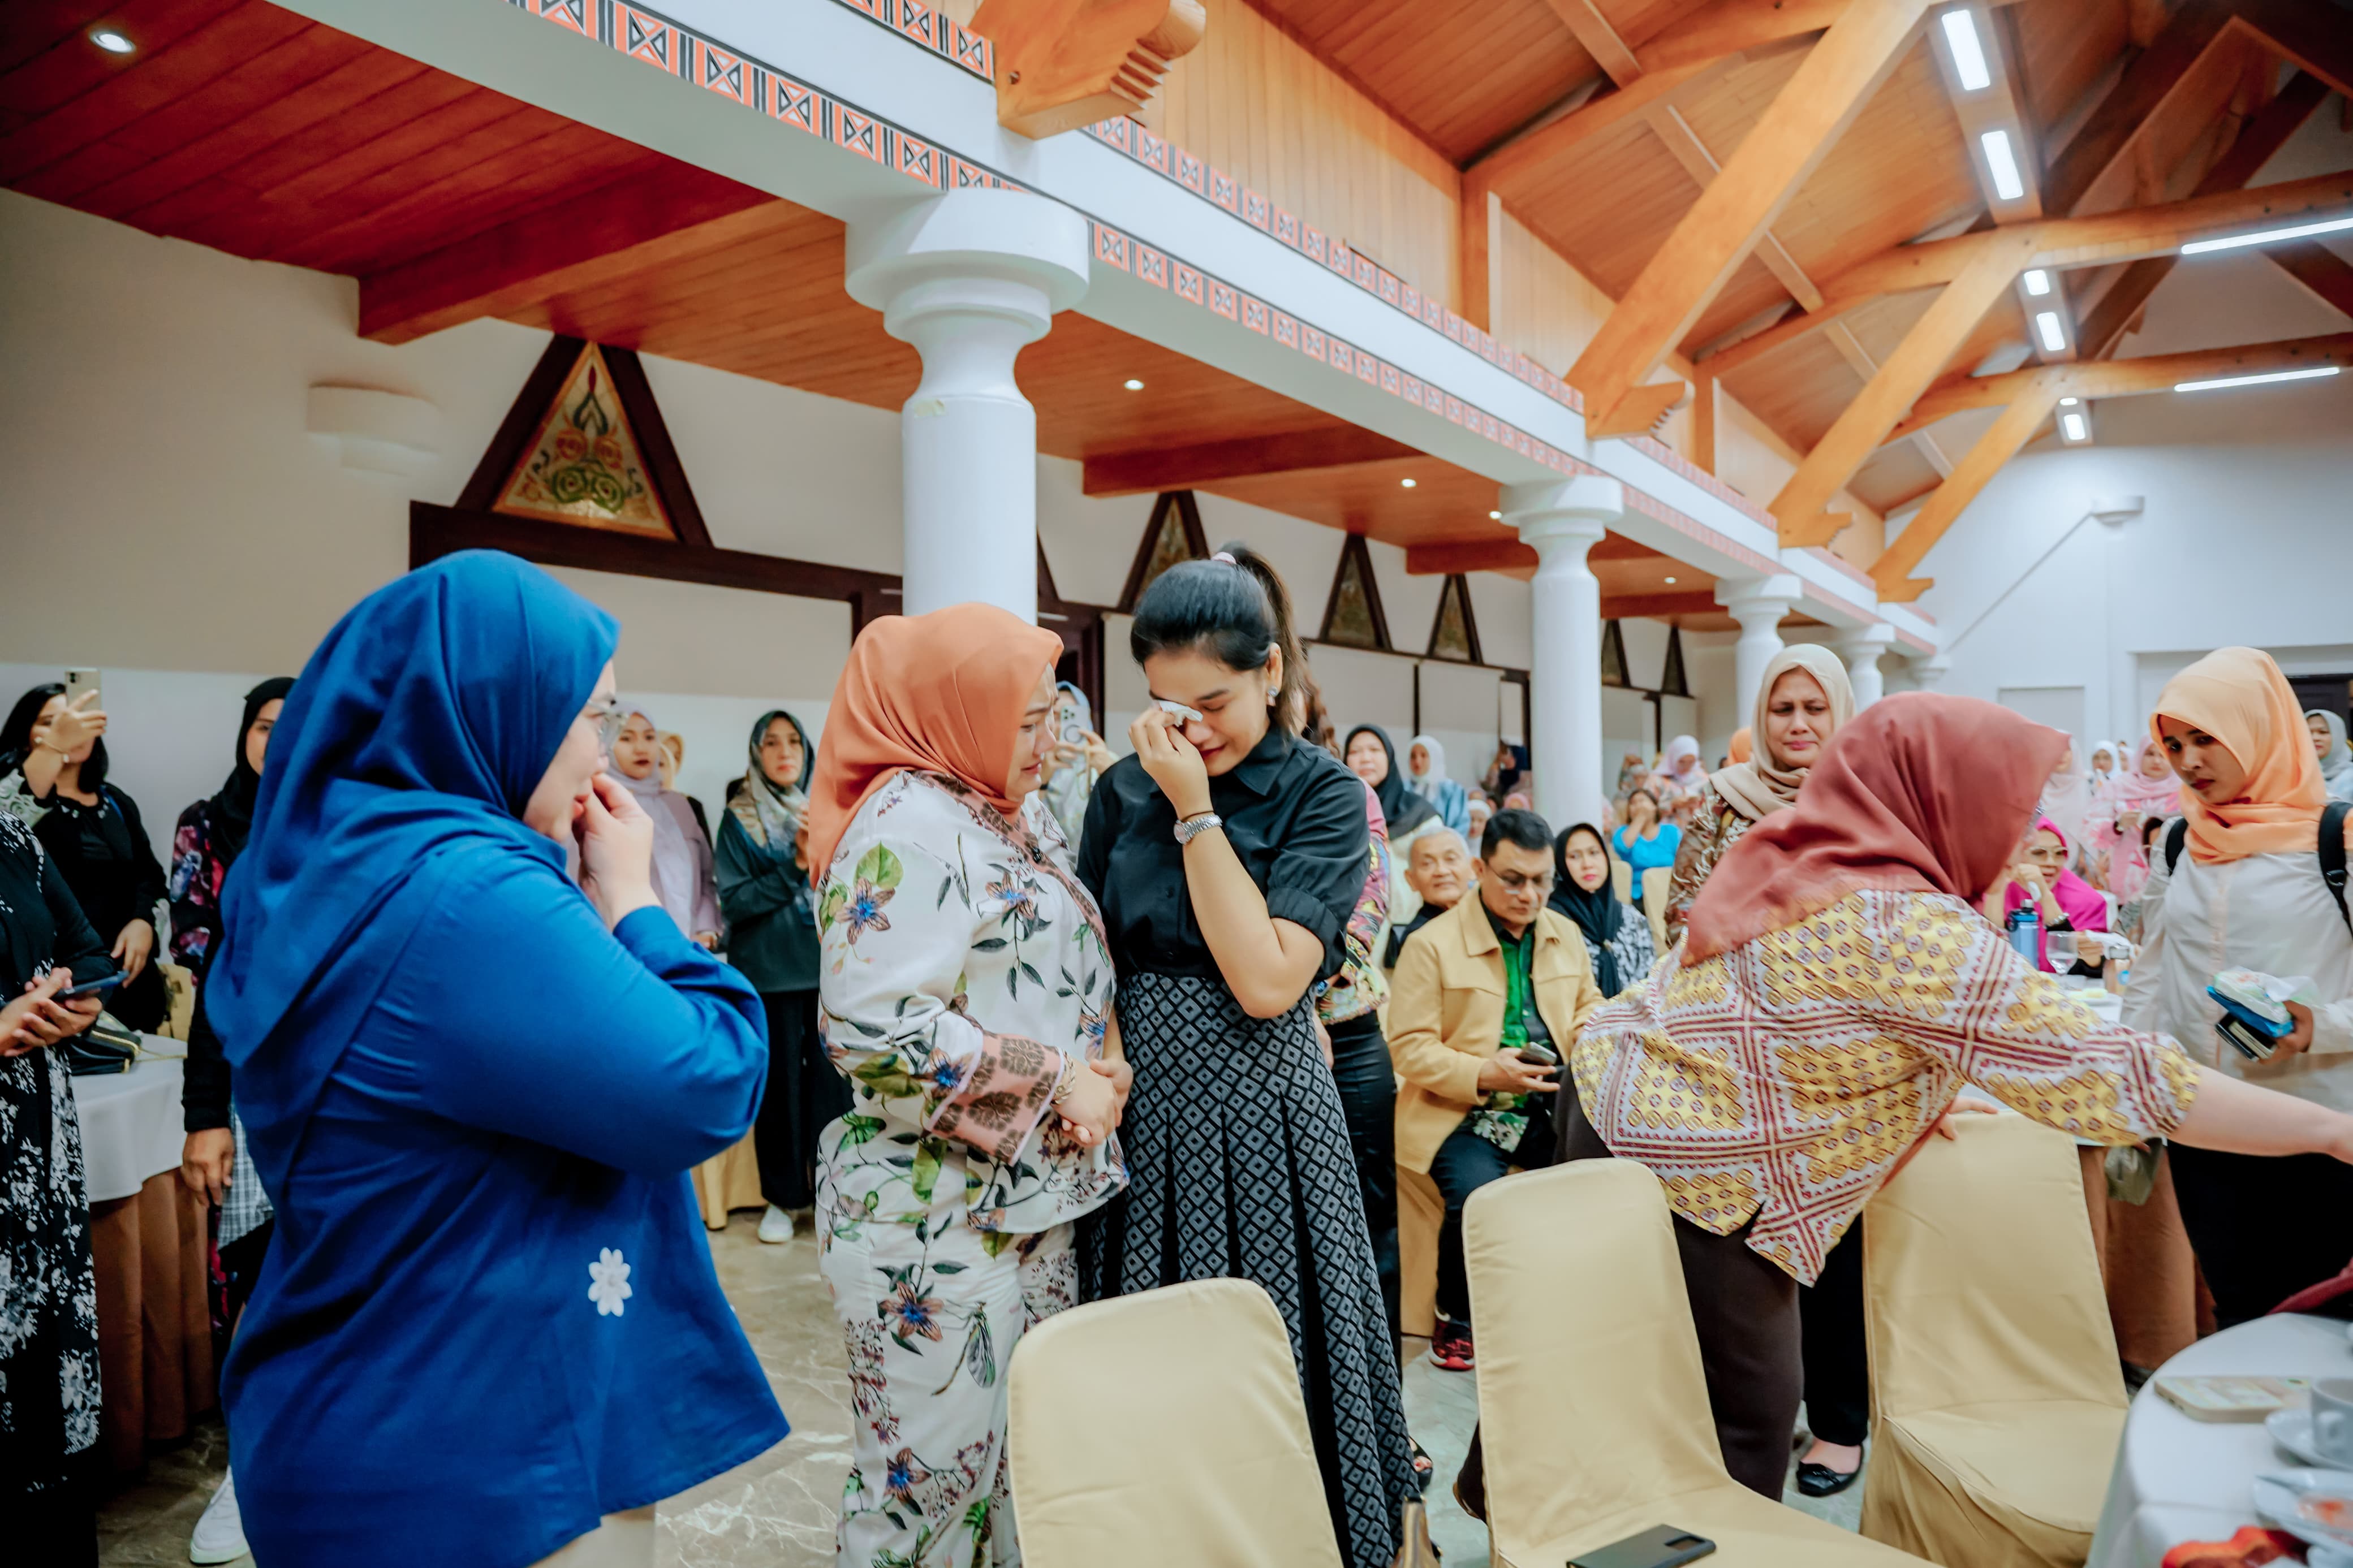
[(1021, 1025)]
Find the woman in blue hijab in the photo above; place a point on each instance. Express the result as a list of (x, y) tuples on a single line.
[(489, 1318)]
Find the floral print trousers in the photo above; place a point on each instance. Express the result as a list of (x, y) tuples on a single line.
[(931, 1312)]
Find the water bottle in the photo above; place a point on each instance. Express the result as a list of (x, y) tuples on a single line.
[(2025, 928)]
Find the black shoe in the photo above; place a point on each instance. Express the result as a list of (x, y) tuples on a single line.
[(1821, 1480)]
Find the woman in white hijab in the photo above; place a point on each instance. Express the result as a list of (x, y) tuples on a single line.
[(2067, 802), (2336, 757), (683, 878), (2108, 761), (1425, 774), (1680, 771)]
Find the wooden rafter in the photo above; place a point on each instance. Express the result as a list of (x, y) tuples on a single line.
[(2139, 96), (1061, 64), (1820, 99), (1188, 468), (2316, 40), (2030, 394), (2318, 269), (1601, 40)]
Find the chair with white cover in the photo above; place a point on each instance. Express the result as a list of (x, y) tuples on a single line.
[(1997, 1402), (1593, 1407), (1210, 1462)]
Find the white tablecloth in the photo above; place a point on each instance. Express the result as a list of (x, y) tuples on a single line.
[(131, 1124), (2178, 1479)]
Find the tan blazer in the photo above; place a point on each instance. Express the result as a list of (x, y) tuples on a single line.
[(1446, 1016)]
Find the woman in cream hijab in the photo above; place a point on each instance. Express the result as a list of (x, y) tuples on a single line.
[(1802, 700)]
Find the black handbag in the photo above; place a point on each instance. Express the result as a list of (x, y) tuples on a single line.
[(105, 1046)]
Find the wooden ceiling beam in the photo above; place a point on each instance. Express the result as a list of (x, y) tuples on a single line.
[(1659, 606), (1499, 554), (1801, 506), (1599, 39), (1700, 163), (2307, 33), (2318, 269), (2139, 95), (2134, 377), (1818, 102), (613, 230), (1150, 470), (1892, 571), (2103, 328), (1062, 64)]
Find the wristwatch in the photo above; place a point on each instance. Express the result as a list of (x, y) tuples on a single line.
[(1193, 827)]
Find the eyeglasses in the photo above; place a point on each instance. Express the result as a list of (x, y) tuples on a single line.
[(608, 722), (1511, 881)]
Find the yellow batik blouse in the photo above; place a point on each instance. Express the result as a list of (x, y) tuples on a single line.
[(1781, 1082)]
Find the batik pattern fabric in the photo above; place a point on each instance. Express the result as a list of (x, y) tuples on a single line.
[(1360, 987), (1782, 1081), (1715, 827), (194, 885), (1241, 1169), (963, 972)]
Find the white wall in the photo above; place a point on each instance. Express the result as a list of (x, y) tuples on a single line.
[(169, 521)]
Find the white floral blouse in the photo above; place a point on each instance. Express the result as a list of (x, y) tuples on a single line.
[(961, 962)]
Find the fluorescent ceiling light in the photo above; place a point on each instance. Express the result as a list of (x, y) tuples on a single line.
[(2003, 163), (2073, 424), (2038, 282), (2316, 375), (2052, 331), (2265, 237), (113, 42), (1968, 55)]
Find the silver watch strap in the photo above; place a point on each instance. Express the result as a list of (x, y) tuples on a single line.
[(1193, 827)]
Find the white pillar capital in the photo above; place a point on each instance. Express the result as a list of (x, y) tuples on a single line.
[(1562, 520), (1926, 673), (970, 279), (1758, 604), (1860, 648)]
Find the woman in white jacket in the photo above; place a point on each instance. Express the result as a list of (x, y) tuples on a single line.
[(2240, 884)]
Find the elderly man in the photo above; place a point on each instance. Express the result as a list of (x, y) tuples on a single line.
[(1486, 1000), (1439, 869)]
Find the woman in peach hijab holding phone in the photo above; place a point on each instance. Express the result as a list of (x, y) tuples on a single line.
[(964, 988)]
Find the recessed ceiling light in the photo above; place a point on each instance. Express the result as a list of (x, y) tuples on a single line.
[(1968, 55), (2264, 236), (113, 42), (2038, 282), (1406, 483), (1497, 516), (2255, 380), (1134, 386), (1670, 582), (2003, 165), (2050, 330), (2073, 423)]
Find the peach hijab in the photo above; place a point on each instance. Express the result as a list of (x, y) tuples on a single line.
[(2238, 696), (939, 693)]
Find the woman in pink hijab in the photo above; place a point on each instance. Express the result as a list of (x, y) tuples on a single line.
[(2128, 799), (2061, 899)]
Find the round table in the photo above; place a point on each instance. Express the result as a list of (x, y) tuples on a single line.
[(130, 1122), (2178, 1479)]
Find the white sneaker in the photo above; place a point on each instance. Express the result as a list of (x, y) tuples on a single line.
[(219, 1535), (776, 1226)]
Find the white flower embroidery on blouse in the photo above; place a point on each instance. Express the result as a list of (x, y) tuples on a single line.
[(608, 1283)]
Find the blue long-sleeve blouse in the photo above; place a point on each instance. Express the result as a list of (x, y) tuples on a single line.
[(488, 1314)]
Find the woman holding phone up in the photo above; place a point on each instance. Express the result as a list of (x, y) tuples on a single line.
[(1228, 856)]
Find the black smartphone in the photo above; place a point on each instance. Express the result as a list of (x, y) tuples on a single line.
[(1664, 1547), (97, 987)]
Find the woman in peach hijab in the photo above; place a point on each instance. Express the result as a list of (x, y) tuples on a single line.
[(2239, 883), (965, 990)]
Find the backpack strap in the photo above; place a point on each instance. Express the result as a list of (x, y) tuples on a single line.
[(2175, 837), (2332, 856)]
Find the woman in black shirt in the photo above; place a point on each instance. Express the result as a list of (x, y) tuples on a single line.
[(1226, 857), (95, 839)]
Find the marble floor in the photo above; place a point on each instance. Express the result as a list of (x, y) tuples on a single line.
[(777, 1510)]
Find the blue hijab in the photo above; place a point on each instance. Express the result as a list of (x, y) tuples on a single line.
[(421, 726)]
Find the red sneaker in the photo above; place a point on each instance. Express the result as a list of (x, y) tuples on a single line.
[(1451, 1347)]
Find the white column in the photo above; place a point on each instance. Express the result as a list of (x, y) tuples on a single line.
[(1562, 520), (970, 279), (1860, 648), (1758, 604), (1927, 672)]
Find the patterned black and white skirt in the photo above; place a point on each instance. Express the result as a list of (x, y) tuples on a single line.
[(1239, 1167)]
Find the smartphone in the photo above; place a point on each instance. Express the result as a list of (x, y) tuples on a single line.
[(81, 680), (2249, 1033), (1664, 1547), (1540, 1053), (97, 987), (1072, 732)]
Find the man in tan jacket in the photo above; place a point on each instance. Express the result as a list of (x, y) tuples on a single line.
[(1485, 1003)]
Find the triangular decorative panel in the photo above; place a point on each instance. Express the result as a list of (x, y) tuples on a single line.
[(1352, 618), (1613, 655), (1671, 681), (1173, 535), (582, 464), (1454, 635)]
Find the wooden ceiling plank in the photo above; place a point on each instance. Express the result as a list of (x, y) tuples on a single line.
[(1820, 99), (1801, 506), (1155, 469), (1659, 606), (1501, 553), (2103, 329), (47, 61), (2141, 93), (149, 86), (1892, 571), (620, 224), (1600, 38)]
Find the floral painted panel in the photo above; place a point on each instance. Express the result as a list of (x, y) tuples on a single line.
[(583, 465)]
